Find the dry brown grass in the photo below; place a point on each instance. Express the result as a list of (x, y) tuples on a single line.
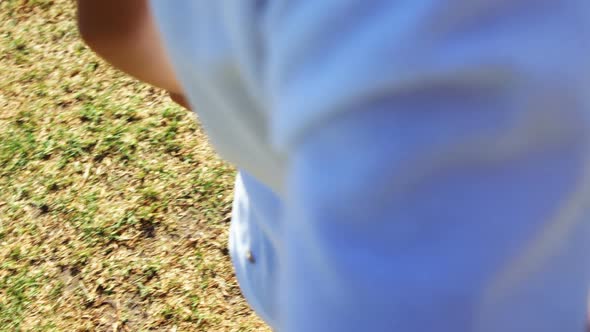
[(113, 208)]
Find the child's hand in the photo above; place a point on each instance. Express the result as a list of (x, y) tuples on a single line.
[(124, 34), (179, 99)]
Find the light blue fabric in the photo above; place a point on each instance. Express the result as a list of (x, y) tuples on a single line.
[(405, 165)]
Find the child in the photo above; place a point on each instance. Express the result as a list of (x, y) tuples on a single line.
[(404, 165)]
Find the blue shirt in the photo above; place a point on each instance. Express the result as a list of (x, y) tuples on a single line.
[(404, 165)]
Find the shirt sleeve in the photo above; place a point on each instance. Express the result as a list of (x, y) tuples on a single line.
[(437, 176)]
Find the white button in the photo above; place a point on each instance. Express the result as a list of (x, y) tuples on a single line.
[(250, 257)]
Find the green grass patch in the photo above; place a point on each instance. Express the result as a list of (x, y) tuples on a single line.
[(113, 207)]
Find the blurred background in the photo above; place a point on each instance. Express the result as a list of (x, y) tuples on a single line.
[(113, 208)]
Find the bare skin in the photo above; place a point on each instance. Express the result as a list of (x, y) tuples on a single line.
[(124, 34), (179, 99)]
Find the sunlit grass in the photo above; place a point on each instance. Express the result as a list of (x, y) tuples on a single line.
[(113, 208)]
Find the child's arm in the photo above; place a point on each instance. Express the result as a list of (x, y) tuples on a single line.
[(124, 34)]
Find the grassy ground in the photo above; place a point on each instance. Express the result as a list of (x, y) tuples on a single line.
[(113, 208)]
